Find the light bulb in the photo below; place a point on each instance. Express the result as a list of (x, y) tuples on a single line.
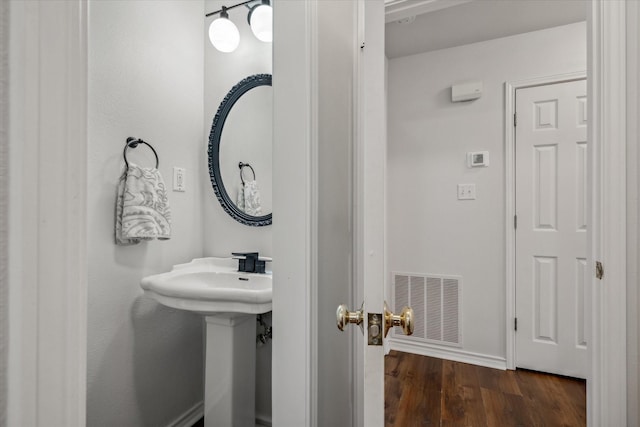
[(224, 34), (261, 21)]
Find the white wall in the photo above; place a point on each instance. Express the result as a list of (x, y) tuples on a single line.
[(633, 207), (429, 230), (145, 361), (4, 205), (222, 234)]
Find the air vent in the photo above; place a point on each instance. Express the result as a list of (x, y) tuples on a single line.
[(436, 301)]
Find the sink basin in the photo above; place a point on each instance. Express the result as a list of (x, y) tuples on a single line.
[(211, 286), (230, 301)]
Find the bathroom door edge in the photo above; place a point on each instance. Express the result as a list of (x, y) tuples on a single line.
[(48, 211)]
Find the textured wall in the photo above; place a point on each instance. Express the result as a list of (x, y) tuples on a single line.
[(429, 230), (145, 364), (222, 234)]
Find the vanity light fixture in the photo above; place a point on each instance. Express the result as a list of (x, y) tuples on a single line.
[(224, 34), (261, 21)]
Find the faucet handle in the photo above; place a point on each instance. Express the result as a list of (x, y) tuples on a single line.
[(245, 255), (248, 262)]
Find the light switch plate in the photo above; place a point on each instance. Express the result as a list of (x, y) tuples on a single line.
[(179, 179), (466, 191)]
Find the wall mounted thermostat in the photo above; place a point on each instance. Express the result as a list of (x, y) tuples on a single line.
[(477, 159)]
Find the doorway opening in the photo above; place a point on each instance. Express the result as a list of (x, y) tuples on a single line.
[(430, 140)]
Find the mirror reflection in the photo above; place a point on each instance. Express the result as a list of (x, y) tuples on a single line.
[(246, 141), (240, 151)]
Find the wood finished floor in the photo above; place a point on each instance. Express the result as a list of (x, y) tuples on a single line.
[(425, 391)]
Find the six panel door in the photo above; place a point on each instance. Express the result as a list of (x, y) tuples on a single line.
[(551, 208)]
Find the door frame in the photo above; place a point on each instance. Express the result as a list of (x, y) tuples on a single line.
[(607, 239), (606, 394), (295, 129), (48, 213), (510, 89)]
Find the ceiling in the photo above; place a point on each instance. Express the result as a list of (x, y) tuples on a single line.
[(441, 24)]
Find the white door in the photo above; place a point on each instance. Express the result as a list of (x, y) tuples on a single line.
[(551, 209), (369, 208), (371, 155)]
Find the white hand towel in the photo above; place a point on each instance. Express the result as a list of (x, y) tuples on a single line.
[(142, 208), (252, 198), (240, 198)]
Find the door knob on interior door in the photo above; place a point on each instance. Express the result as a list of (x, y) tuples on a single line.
[(344, 317), (404, 320)]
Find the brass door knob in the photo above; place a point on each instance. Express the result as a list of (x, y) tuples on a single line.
[(404, 319), (344, 317)]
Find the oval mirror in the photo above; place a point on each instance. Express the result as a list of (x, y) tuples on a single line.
[(240, 151)]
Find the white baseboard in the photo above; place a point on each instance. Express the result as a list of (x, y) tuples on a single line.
[(263, 420), (190, 417), (449, 353)]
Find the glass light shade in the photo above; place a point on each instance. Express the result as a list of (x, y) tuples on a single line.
[(262, 22), (224, 35)]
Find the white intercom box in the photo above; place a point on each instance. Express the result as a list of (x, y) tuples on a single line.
[(467, 91)]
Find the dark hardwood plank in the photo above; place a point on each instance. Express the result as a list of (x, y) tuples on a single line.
[(462, 403), (467, 376), (500, 410), (452, 404), (547, 406), (575, 389), (425, 391), (392, 386), (420, 395), (521, 411), (432, 391)]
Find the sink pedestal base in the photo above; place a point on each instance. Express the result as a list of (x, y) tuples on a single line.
[(230, 370)]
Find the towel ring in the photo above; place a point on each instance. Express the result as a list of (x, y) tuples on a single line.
[(246, 165), (133, 143)]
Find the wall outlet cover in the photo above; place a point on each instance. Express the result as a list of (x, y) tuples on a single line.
[(179, 179)]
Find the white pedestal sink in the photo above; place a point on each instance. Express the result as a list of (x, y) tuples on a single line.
[(229, 300)]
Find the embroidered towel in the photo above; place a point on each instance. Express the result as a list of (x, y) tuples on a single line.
[(240, 198), (252, 198), (142, 208), (248, 199)]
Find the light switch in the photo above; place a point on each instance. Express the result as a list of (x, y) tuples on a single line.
[(179, 179), (466, 191)]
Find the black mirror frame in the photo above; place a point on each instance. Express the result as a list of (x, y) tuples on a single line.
[(228, 102)]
